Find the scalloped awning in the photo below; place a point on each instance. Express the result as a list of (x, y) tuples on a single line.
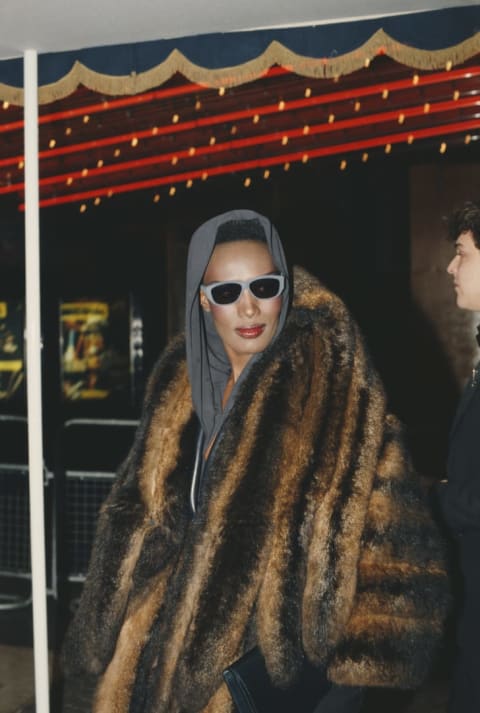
[(423, 40)]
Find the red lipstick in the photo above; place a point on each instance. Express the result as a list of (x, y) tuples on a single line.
[(250, 332)]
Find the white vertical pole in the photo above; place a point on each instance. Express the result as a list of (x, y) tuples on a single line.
[(34, 384)]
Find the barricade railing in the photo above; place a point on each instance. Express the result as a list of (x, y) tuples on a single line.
[(15, 563), (89, 454)]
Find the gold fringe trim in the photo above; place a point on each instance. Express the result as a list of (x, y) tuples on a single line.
[(275, 54), (13, 95)]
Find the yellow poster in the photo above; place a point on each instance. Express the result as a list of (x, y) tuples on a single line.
[(12, 373), (94, 356)]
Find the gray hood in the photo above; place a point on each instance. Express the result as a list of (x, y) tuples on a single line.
[(208, 365)]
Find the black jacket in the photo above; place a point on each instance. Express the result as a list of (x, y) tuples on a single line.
[(460, 496)]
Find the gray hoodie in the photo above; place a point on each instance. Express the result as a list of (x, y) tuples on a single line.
[(208, 365)]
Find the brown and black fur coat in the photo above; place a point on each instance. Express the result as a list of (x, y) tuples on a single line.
[(311, 537)]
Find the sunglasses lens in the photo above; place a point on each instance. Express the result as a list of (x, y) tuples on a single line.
[(226, 293), (265, 287)]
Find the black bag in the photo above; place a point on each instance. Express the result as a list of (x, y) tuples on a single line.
[(252, 690)]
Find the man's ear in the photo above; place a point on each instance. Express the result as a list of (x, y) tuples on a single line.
[(204, 303)]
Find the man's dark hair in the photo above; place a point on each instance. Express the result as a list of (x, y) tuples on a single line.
[(464, 219), (245, 229)]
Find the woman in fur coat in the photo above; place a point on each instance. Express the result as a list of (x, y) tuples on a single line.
[(267, 504)]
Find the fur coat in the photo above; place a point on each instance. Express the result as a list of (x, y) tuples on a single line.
[(311, 537)]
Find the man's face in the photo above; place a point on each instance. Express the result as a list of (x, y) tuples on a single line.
[(465, 270)]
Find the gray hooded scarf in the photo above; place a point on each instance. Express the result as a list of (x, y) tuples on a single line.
[(208, 365)]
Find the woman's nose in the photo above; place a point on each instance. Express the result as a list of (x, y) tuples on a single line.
[(247, 303)]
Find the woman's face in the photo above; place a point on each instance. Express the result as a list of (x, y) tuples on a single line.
[(247, 326)]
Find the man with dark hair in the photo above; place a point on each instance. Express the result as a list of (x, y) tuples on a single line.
[(464, 220), (460, 494)]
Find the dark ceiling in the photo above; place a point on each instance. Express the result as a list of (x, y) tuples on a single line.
[(93, 147)]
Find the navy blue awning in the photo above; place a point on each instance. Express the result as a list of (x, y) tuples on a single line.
[(424, 40)]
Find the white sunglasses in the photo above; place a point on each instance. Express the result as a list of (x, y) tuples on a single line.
[(263, 288)]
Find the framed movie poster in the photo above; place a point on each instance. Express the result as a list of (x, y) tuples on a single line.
[(12, 366), (95, 349)]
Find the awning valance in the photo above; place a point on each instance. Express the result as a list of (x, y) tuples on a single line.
[(423, 40)]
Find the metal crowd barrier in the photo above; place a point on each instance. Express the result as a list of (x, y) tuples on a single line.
[(15, 565), (90, 453)]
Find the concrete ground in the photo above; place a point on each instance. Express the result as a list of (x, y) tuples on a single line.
[(74, 696), (16, 677)]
